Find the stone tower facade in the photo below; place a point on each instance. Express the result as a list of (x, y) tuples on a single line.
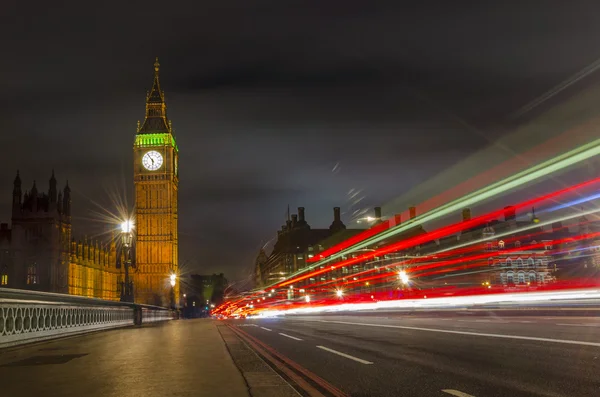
[(156, 179)]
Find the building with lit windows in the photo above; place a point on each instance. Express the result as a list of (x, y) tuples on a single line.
[(38, 251), (296, 243)]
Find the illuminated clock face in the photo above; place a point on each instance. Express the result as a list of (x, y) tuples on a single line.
[(152, 160)]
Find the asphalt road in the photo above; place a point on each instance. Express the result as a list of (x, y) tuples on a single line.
[(396, 355)]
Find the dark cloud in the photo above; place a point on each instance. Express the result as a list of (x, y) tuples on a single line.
[(266, 97)]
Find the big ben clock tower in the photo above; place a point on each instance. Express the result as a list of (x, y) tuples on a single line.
[(156, 179)]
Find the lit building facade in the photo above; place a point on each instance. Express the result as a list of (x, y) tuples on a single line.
[(156, 180), (39, 253)]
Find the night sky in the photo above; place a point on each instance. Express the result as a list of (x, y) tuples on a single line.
[(273, 102)]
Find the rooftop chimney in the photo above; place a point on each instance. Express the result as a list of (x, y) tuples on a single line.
[(294, 220), (397, 219), (466, 214), (377, 214), (337, 223), (413, 212), (301, 214), (509, 213)]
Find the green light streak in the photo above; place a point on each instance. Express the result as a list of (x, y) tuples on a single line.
[(161, 139), (538, 171)]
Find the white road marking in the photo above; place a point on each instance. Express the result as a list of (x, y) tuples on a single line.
[(483, 321), (360, 360), (447, 331), (289, 336), (266, 329), (445, 319), (457, 393), (579, 325), (524, 321)]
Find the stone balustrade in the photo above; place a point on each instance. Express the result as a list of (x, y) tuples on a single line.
[(27, 316)]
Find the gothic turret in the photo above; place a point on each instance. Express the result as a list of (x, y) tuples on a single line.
[(52, 190), (59, 203), (16, 208), (34, 197), (156, 120), (67, 200)]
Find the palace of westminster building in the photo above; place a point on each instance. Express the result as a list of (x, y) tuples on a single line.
[(40, 252)]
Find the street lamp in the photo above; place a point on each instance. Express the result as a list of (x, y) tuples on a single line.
[(127, 239), (173, 281)]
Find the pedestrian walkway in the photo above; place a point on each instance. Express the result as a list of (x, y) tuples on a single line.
[(175, 359)]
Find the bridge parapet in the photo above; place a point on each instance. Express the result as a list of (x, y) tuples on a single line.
[(27, 316)]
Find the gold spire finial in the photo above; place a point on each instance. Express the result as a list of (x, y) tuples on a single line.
[(138, 126), (156, 65)]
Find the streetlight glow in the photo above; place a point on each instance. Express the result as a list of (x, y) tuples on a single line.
[(339, 293), (403, 277), (127, 226), (173, 278)]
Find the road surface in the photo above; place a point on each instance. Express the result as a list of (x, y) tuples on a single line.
[(461, 355)]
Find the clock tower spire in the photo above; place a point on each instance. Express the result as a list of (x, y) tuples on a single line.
[(156, 109), (156, 180)]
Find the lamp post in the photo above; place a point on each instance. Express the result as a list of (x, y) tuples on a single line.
[(127, 239), (173, 281)]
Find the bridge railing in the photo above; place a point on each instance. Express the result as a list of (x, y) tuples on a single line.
[(28, 316)]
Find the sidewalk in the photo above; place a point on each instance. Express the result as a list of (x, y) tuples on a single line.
[(175, 359)]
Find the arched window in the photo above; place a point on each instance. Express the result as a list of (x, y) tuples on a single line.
[(501, 244), (510, 278), (508, 262), (530, 262), (532, 277), (519, 262), (521, 278), (539, 263), (32, 274), (541, 278)]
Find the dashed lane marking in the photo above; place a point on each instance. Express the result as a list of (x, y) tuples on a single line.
[(457, 393), (580, 325), (266, 329), (289, 336), (447, 331), (360, 360)]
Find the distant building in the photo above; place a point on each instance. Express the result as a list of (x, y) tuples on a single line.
[(202, 292), (507, 264), (296, 243), (39, 253)]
